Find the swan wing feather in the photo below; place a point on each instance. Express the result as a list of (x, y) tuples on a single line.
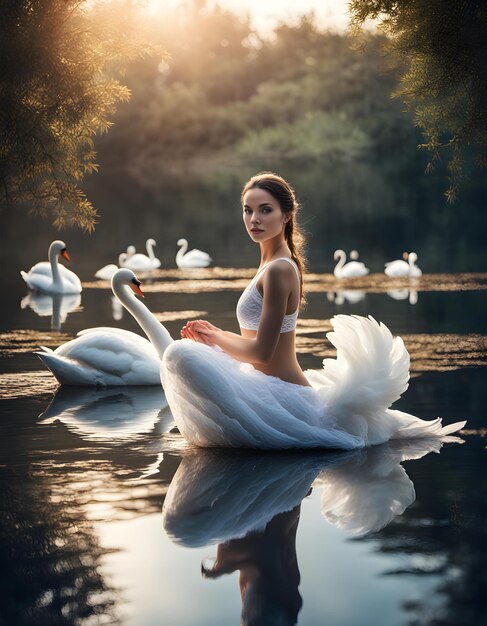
[(106, 272), (193, 258), (38, 281), (43, 267), (397, 268), (141, 262), (354, 269), (198, 254), (116, 331)]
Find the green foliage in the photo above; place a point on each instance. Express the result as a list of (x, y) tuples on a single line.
[(316, 135), (58, 88), (444, 48), (228, 97)]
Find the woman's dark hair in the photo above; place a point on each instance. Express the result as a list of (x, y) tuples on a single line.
[(284, 194)]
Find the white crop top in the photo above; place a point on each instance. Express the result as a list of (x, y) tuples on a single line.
[(249, 306)]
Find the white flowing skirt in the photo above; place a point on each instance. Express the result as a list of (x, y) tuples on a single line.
[(218, 401)]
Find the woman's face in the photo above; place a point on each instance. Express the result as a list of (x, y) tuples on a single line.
[(262, 215)]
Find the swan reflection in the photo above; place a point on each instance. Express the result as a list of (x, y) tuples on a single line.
[(110, 414), (249, 504), (117, 308), (58, 306), (220, 495), (345, 295), (364, 493), (404, 294)]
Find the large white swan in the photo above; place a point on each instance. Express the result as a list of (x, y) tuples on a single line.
[(353, 269), (143, 262), (112, 356), (49, 276), (218, 401), (193, 258), (402, 268)]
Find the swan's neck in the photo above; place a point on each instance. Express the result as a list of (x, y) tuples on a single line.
[(182, 250), (341, 260), (122, 258), (150, 251), (56, 276), (155, 331)]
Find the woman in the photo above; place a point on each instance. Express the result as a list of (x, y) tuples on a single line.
[(268, 308), (248, 390)]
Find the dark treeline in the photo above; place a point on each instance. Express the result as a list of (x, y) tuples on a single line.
[(227, 96)]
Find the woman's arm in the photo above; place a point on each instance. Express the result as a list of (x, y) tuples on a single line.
[(277, 287)]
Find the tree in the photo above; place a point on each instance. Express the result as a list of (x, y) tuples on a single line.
[(444, 48), (60, 64)]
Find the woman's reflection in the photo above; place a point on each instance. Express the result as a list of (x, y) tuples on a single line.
[(269, 573)]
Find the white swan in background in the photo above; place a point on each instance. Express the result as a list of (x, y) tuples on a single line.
[(56, 305), (353, 269), (112, 356), (110, 414), (143, 262), (193, 258), (403, 267), (49, 276), (107, 271)]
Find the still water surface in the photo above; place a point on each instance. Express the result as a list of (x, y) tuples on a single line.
[(108, 516)]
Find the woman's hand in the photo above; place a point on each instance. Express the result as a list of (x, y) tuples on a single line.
[(200, 331)]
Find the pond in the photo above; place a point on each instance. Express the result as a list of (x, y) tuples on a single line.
[(108, 516)]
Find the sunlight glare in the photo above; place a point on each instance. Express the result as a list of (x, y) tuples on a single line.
[(331, 14)]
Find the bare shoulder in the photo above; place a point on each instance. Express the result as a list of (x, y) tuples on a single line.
[(281, 274)]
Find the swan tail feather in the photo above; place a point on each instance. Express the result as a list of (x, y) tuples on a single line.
[(68, 371), (409, 426)]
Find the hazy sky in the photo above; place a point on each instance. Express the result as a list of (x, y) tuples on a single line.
[(266, 13)]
